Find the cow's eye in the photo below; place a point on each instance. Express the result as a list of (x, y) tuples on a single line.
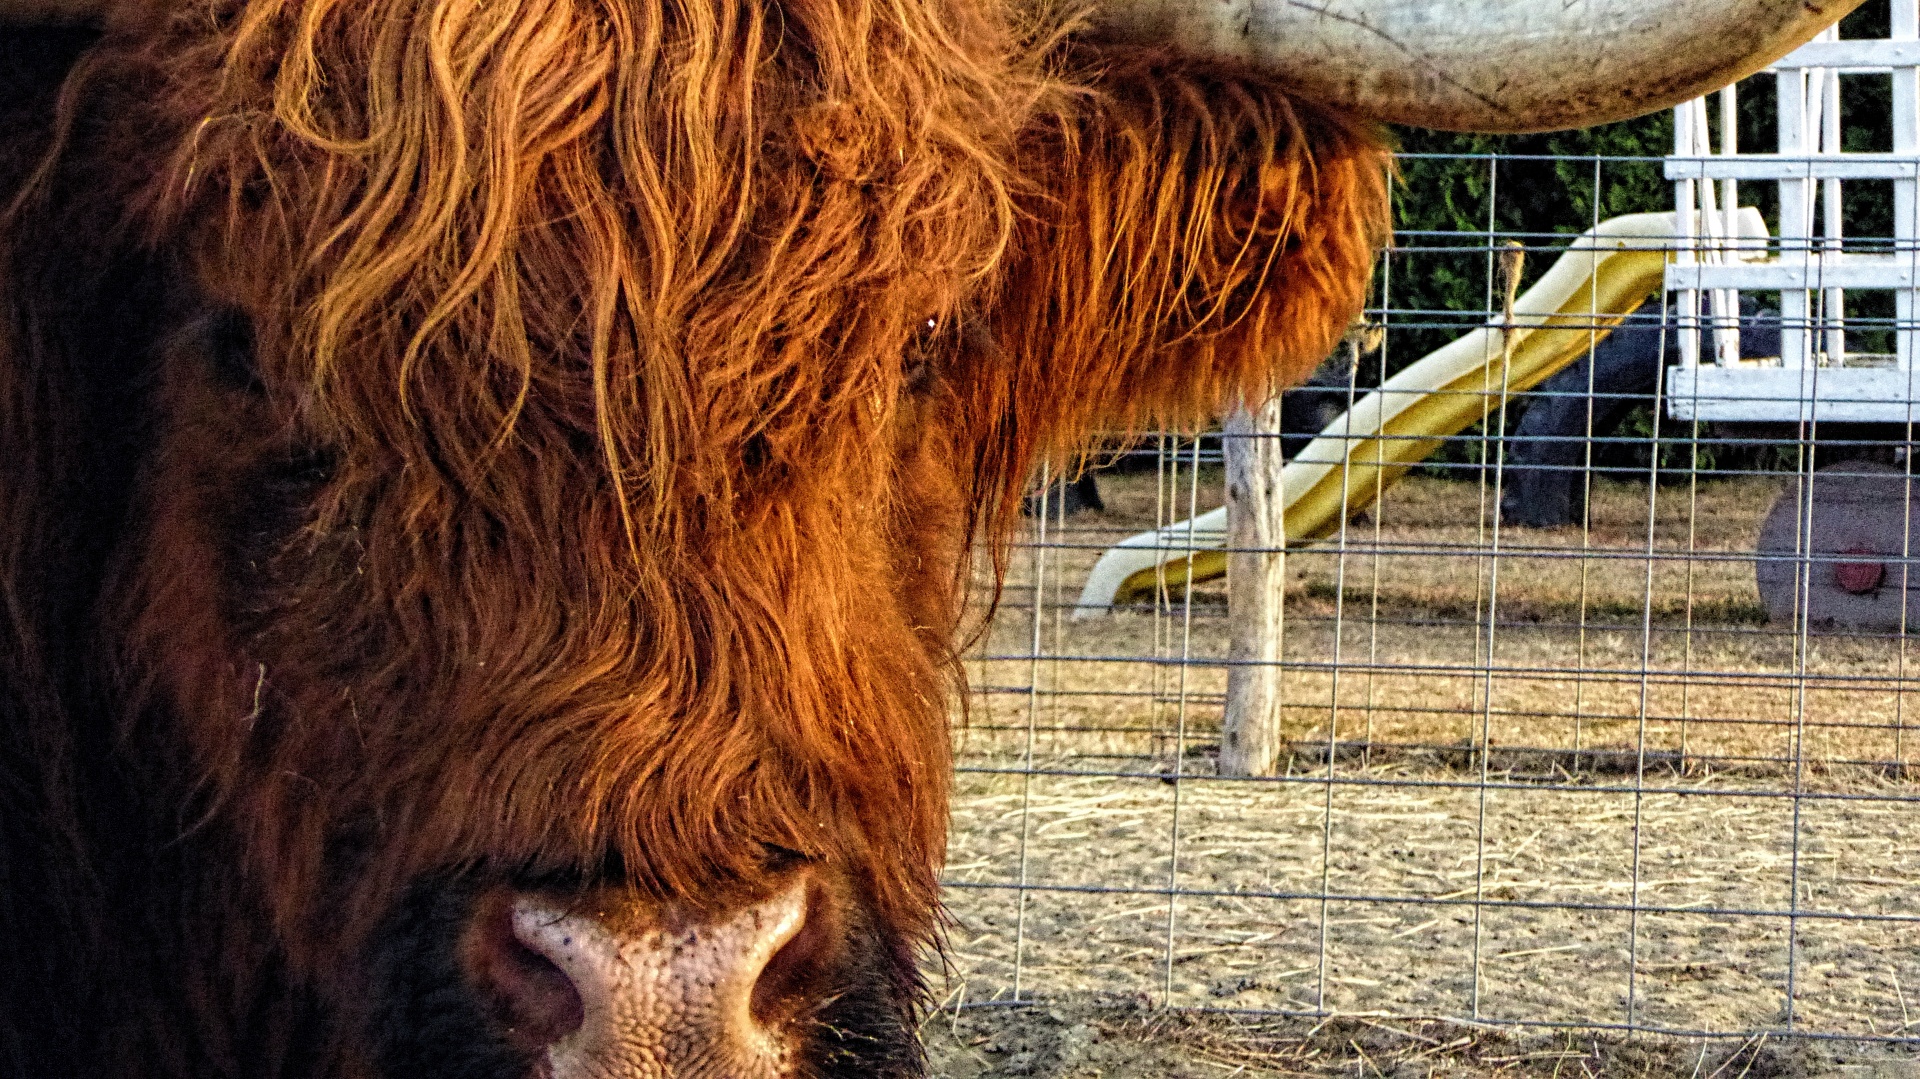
[(924, 354), (230, 350)]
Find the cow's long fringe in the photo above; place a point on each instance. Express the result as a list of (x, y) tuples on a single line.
[(663, 359), (1199, 239), (632, 280)]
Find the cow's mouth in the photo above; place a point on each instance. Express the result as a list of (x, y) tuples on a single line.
[(497, 981)]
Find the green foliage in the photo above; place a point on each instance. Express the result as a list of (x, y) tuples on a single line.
[(1463, 194)]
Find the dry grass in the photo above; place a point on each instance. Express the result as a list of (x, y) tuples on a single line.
[(1562, 640), (1636, 858)]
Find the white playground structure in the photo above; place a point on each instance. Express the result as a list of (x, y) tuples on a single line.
[(1816, 378), (1712, 250)]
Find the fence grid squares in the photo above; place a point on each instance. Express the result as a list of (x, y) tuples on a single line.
[(1639, 759)]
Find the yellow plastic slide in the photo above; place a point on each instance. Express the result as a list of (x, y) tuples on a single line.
[(1605, 274)]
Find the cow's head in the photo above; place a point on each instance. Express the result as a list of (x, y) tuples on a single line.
[(493, 482)]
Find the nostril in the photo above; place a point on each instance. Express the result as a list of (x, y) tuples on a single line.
[(531, 999), (784, 982)]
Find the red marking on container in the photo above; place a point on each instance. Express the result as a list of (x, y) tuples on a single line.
[(1859, 577)]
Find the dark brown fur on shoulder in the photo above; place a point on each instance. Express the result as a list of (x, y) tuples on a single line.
[(544, 440)]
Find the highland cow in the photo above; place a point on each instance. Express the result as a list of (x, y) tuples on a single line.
[(487, 489)]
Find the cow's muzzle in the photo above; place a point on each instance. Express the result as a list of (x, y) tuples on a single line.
[(609, 987)]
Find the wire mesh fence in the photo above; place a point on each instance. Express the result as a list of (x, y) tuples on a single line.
[(1592, 711)]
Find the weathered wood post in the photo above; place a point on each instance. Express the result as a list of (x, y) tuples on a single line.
[(1256, 590)]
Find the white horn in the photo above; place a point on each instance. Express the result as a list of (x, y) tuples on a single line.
[(1485, 65), (51, 12)]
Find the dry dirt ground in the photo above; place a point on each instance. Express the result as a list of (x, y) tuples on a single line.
[(1620, 799)]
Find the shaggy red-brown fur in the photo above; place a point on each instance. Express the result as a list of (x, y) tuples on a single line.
[(633, 379)]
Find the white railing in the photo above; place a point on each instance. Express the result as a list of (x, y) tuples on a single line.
[(1809, 264)]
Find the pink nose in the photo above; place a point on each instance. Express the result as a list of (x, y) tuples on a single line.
[(612, 990)]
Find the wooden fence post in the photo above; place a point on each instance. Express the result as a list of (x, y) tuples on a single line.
[(1256, 591)]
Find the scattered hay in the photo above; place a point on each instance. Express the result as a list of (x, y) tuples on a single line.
[(1446, 898), (1124, 1040)]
